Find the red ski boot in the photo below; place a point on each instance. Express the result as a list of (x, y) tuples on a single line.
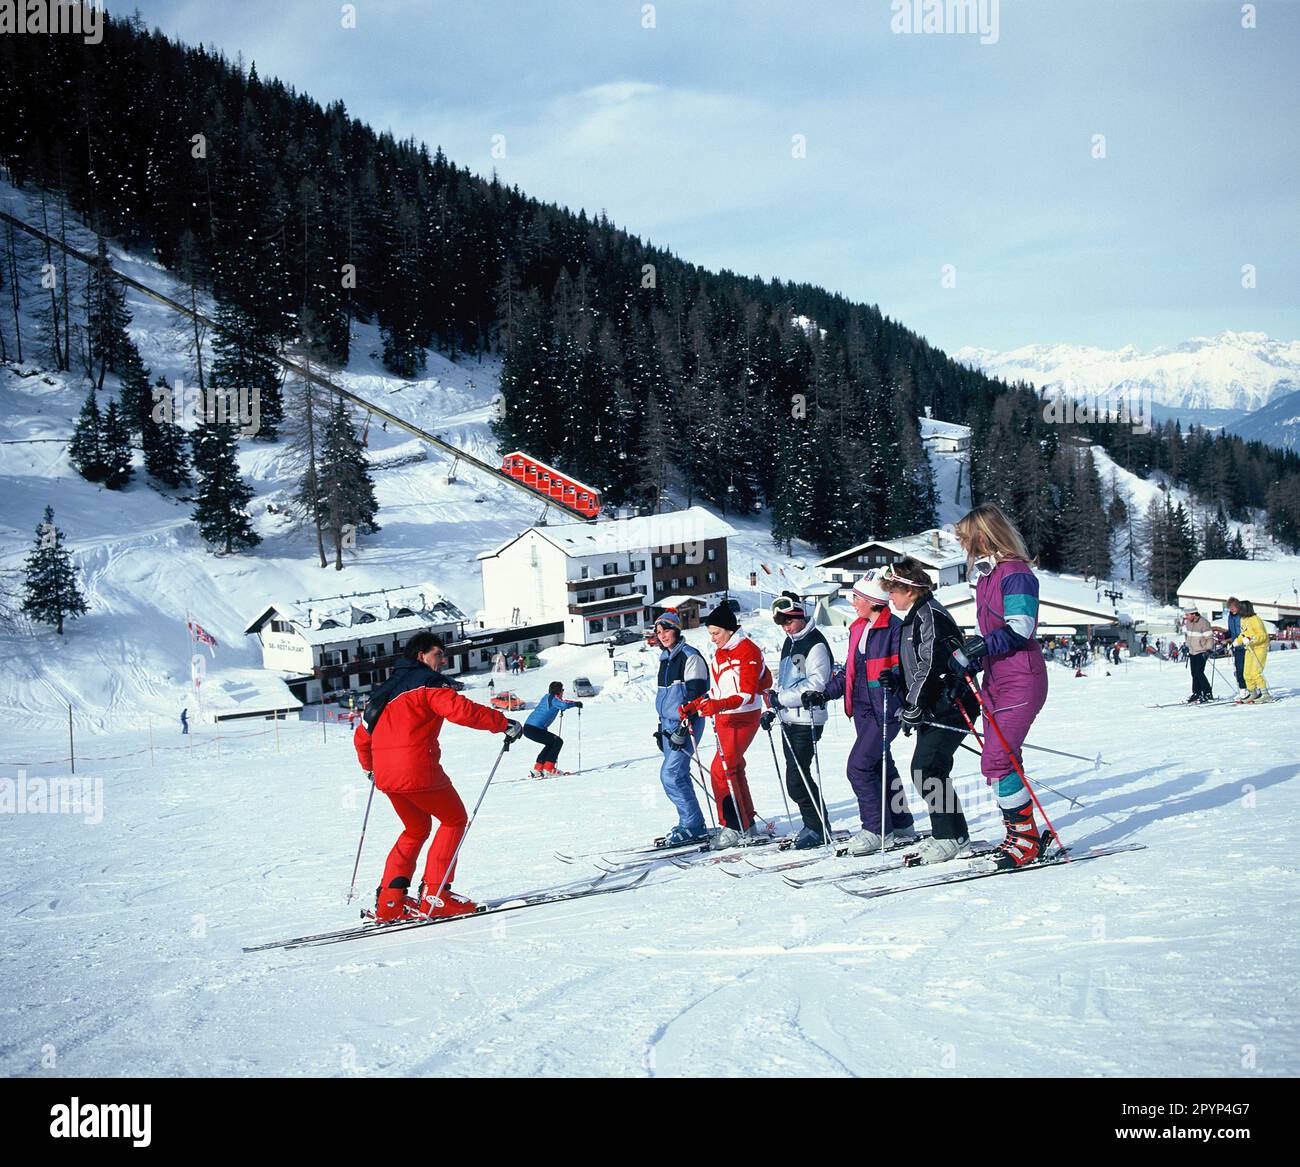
[(1022, 845), (451, 905), (392, 903)]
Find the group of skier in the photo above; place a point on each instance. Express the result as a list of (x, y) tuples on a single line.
[(1248, 638), (909, 668)]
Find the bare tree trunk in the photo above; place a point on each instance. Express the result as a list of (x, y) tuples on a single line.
[(15, 296)]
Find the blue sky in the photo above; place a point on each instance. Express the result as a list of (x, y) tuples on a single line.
[(922, 150)]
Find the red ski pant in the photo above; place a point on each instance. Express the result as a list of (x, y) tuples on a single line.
[(417, 810), (735, 732)]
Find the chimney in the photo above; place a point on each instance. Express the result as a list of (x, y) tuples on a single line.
[(934, 538)]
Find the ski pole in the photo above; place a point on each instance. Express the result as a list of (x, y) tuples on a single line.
[(1097, 761), (704, 789), (803, 777), (1020, 770), (579, 739), (352, 891), (780, 778), (884, 761), (451, 866), (735, 802)]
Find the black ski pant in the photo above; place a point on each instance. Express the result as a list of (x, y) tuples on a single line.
[(932, 776), (549, 742), (797, 744), (1239, 666), (1200, 686)]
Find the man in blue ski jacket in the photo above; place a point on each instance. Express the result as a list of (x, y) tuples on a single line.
[(683, 676)]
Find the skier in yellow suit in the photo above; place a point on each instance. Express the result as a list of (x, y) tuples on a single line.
[(1255, 638)]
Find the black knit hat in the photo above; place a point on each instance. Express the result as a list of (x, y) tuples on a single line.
[(722, 617)]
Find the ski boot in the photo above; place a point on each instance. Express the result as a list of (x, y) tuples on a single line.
[(809, 838), (726, 837), (392, 903), (932, 850), (868, 843), (448, 904), (1022, 845), (1243, 695), (680, 836)]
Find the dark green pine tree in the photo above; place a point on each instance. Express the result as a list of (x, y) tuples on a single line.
[(1216, 539), (243, 364), (86, 450), (222, 495), (165, 456), (106, 319), (51, 591), (347, 493), (136, 399), (399, 315), (116, 447)]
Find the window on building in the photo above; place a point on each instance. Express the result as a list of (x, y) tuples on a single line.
[(631, 620), (660, 587), (584, 573), (610, 568), (674, 560), (637, 565), (659, 561), (712, 553), (609, 594), (595, 626), (713, 577), (689, 581)]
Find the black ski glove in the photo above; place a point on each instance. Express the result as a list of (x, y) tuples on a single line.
[(680, 738), (911, 718), (891, 680), (577, 705), (765, 722), (811, 699), (659, 740)]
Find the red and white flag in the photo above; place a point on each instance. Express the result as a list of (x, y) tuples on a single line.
[(202, 636)]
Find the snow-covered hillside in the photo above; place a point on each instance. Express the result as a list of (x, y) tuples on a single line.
[(1232, 371)]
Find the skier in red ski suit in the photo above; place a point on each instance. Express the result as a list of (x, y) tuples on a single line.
[(397, 740)]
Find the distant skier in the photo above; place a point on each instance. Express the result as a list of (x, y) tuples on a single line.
[(1015, 678), (804, 671), (537, 728), (397, 741), (610, 648), (1253, 637), (185, 720), (873, 651), (683, 677), (1198, 639), (928, 690), (739, 677)]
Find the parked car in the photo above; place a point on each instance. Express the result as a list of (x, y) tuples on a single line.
[(508, 700), (582, 687), (624, 636)]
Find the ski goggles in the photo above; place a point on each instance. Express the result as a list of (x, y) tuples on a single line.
[(890, 579), (784, 609)]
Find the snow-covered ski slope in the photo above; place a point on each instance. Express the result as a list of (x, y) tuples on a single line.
[(122, 938)]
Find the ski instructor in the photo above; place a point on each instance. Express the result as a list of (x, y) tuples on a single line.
[(397, 741)]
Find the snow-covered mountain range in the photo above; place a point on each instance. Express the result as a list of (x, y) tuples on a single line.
[(1234, 371)]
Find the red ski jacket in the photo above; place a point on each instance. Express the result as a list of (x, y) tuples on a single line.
[(403, 753)]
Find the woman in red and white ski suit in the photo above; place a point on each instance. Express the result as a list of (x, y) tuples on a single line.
[(735, 703)]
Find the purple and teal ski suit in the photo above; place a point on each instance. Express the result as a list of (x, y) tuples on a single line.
[(1015, 675), (871, 651)]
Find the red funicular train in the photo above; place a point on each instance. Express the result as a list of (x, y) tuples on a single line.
[(567, 491)]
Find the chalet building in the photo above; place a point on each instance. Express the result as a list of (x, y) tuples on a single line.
[(599, 578), (1067, 605), (339, 645), (944, 437), (939, 551)]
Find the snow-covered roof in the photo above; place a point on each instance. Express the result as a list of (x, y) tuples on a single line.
[(1063, 600), (1261, 581), (643, 533), (935, 548), (407, 608), (932, 427), (678, 601)]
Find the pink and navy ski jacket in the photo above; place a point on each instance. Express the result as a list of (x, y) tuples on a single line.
[(872, 650)]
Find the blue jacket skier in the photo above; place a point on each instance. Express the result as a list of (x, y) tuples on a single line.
[(683, 677), (537, 727)]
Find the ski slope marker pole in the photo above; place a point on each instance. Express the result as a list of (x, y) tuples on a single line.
[(451, 866), (352, 891)]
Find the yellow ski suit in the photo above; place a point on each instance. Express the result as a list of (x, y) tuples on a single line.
[(1255, 637)]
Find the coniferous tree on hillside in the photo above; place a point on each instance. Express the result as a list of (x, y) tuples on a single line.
[(222, 497), (86, 450), (242, 363), (106, 319), (347, 503), (115, 446), (51, 592)]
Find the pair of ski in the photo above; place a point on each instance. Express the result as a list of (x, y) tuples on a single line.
[(807, 860), (1194, 704), (600, 885)]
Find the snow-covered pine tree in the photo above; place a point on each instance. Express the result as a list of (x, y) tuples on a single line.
[(106, 318), (343, 478), (135, 399), (86, 450), (243, 362), (222, 495), (51, 591), (116, 448), (310, 408), (166, 459)]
